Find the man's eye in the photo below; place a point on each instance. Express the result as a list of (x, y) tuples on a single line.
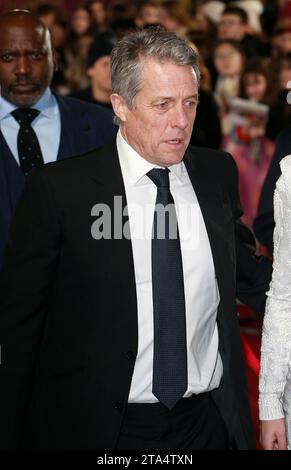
[(6, 57), (36, 55), (191, 104), (163, 105)]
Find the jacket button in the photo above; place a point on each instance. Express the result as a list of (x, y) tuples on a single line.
[(118, 406), (130, 355)]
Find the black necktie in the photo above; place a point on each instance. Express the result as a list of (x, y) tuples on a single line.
[(29, 151), (170, 352)]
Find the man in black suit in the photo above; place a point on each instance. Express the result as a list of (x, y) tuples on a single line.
[(118, 330), (63, 126)]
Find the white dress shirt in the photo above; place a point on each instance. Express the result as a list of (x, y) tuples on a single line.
[(47, 126), (201, 291)]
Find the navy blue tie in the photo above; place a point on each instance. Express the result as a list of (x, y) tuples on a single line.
[(170, 351), (29, 151)]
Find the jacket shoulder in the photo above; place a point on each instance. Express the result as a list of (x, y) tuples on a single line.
[(79, 106), (77, 167), (211, 160)]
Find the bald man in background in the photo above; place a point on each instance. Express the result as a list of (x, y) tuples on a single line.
[(54, 127)]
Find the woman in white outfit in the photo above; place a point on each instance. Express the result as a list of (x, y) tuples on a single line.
[(275, 373)]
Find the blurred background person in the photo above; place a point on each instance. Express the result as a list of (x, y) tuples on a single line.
[(259, 81), (229, 62), (147, 13), (246, 140), (59, 37), (98, 14), (175, 18), (254, 10), (98, 70), (234, 24), (207, 129), (280, 111), (281, 40), (47, 13), (79, 39)]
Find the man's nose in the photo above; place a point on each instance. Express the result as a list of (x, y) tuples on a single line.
[(180, 118), (23, 65)]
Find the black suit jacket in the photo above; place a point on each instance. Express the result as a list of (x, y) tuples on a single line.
[(68, 306)]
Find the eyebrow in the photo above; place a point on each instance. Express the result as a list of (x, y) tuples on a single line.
[(11, 49), (171, 98)]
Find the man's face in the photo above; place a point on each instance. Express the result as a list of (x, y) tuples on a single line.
[(160, 123), (231, 27), (100, 73), (26, 62)]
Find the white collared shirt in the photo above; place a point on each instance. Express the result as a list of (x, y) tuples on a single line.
[(47, 126), (201, 291)]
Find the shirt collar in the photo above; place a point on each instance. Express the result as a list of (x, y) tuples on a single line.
[(135, 166), (46, 105)]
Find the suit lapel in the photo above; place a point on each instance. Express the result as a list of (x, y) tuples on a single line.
[(217, 217), (109, 185), (107, 169), (11, 176)]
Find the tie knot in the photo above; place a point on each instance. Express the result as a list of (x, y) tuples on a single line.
[(25, 116), (160, 177)]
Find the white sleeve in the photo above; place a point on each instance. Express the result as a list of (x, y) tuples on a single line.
[(276, 339)]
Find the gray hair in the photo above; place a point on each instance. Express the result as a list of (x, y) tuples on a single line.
[(128, 56)]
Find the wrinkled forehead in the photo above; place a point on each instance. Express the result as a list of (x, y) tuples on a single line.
[(160, 78), (147, 64)]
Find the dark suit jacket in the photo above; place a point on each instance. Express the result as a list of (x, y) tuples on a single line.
[(68, 306), (83, 128), (264, 222)]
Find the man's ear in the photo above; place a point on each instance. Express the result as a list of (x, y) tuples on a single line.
[(119, 106), (90, 72)]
